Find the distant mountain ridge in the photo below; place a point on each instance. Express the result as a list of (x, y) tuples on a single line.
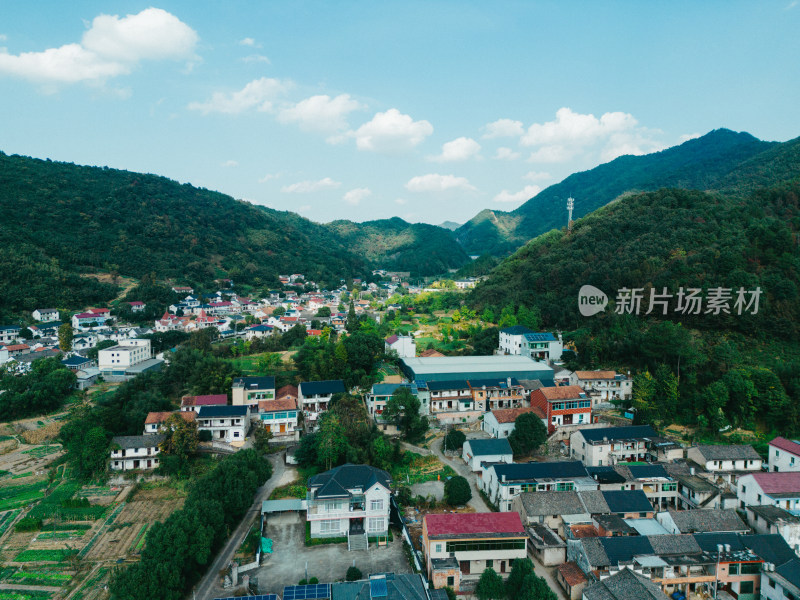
[(704, 163)]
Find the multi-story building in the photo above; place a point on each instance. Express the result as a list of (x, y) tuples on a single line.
[(46, 314), (476, 541), (194, 403), (250, 391), (503, 482), (610, 445), (227, 424), (404, 345), (115, 361), (313, 398), (349, 501), (773, 489), (9, 334), (380, 394), (522, 341), (130, 452), (784, 455), (495, 394), (563, 405), (279, 417), (603, 386)]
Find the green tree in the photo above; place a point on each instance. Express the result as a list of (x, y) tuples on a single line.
[(332, 441), (65, 336), (352, 319), (529, 433), (520, 569), (457, 491), (403, 409), (490, 586), (261, 438), (353, 574), (535, 588), (454, 440), (324, 311)]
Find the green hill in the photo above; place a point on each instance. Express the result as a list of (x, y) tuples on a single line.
[(703, 163), (60, 222), (396, 245)]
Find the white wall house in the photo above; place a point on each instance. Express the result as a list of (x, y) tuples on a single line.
[(251, 390), (227, 424), (603, 386), (349, 501), (46, 314), (504, 482), (9, 334), (130, 452), (784, 455), (313, 398), (609, 445), (512, 339), (475, 452), (115, 360), (279, 417), (500, 423), (770, 489), (726, 458)]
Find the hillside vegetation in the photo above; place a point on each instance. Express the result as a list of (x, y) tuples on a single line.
[(705, 163)]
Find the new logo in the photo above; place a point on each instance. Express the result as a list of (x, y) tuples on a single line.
[(591, 300)]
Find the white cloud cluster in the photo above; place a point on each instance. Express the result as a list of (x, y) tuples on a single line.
[(459, 149), (536, 176), (503, 153), (307, 187), (433, 182), (259, 94), (111, 46), (391, 132), (321, 113), (526, 193), (356, 195), (230, 163), (503, 128)]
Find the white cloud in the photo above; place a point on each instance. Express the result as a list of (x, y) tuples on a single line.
[(503, 153), (356, 195), (459, 149), (634, 143), (248, 41), (688, 136), (256, 58), (536, 176), (503, 128), (268, 177), (400, 201), (391, 131), (111, 46), (307, 187), (552, 154), (526, 193), (321, 113), (230, 163), (570, 128), (434, 182), (3, 37), (258, 94)]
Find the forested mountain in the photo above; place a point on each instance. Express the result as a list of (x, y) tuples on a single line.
[(59, 221), (704, 163), (709, 369), (400, 246)]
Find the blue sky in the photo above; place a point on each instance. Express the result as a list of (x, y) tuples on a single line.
[(430, 111)]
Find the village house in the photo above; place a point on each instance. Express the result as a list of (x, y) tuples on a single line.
[(545, 546), (76, 362), (251, 390), (404, 345), (313, 398), (784, 455), (727, 461), (610, 445), (137, 306), (500, 423), (775, 489), (169, 322), (194, 403), (695, 491), (776, 520), (379, 395), (573, 581), (227, 424), (781, 582), (92, 317), (702, 521), (504, 482), (453, 400), (9, 334), (127, 359), (476, 541), (279, 417), (603, 386), (155, 421), (349, 501), (624, 584), (658, 485), (258, 331), (494, 394), (564, 405), (130, 452), (477, 452), (46, 314), (182, 289), (17, 349)]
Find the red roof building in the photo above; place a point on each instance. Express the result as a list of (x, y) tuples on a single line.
[(193, 403), (563, 405)]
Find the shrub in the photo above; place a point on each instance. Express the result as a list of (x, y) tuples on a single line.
[(457, 491), (313, 581), (204, 435), (28, 524), (353, 574)]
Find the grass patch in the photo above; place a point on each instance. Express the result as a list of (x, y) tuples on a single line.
[(6, 519), (52, 577), (415, 468), (60, 535), (20, 495), (23, 595), (21, 475), (56, 555)]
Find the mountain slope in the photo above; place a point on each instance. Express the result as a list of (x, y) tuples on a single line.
[(396, 245), (702, 163)]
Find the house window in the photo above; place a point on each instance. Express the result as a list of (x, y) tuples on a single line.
[(451, 581), (489, 564), (438, 547), (375, 524), (376, 504), (745, 587), (330, 526), (733, 569)]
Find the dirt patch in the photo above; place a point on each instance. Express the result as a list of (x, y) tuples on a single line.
[(48, 433)]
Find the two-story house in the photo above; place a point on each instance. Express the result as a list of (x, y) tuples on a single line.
[(494, 394), (115, 361), (135, 452), (349, 501), (563, 405), (46, 314), (249, 391), (194, 403), (728, 461), (784, 455), (504, 482), (227, 424), (500, 423), (376, 401), (610, 445), (773, 489), (279, 417), (313, 398), (155, 422), (603, 386), (9, 334)]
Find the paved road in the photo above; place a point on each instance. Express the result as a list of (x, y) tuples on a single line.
[(209, 587), (458, 465)]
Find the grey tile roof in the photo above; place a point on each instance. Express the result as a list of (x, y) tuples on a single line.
[(595, 552), (674, 544), (708, 520), (627, 501), (594, 501), (138, 441), (625, 585), (629, 432), (543, 537), (615, 524), (773, 514), (537, 504), (729, 452), (489, 447), (336, 482)]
